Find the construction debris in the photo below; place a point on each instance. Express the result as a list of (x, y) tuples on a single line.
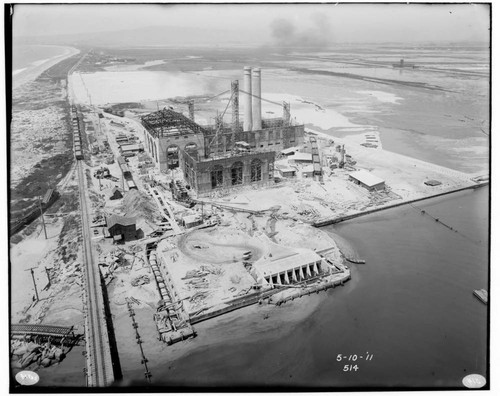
[(140, 280)]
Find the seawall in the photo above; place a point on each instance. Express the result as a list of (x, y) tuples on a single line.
[(335, 220)]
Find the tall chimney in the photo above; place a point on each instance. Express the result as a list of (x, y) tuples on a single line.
[(247, 99), (256, 103), (191, 109), (286, 114)]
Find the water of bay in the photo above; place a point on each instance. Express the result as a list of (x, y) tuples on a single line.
[(411, 307), (24, 56)]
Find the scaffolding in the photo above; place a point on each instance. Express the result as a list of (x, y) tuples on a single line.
[(235, 124), (256, 170), (167, 122)]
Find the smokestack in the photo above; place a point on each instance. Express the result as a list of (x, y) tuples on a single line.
[(191, 109), (286, 114), (256, 103), (247, 99)]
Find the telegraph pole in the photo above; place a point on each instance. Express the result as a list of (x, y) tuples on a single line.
[(41, 214), (34, 283), (47, 272), (99, 122)]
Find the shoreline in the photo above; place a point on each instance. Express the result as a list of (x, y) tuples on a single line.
[(335, 220), (31, 73), (258, 313)]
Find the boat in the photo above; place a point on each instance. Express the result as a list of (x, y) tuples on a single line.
[(355, 261), (482, 295)]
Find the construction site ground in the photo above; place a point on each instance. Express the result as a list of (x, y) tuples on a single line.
[(281, 212), (310, 200)]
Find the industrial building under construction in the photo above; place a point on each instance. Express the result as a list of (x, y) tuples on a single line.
[(222, 156)]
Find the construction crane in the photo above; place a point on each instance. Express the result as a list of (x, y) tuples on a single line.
[(219, 117)]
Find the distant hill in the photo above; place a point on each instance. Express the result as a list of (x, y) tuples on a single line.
[(150, 36)]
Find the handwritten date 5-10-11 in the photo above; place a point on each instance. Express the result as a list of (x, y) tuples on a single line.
[(353, 358), (368, 356)]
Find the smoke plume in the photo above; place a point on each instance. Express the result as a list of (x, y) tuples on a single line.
[(286, 34)]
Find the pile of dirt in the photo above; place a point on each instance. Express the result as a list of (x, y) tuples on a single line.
[(139, 204)]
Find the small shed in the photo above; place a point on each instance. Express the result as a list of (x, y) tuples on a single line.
[(287, 172), (367, 180), (192, 221), (116, 194), (121, 226)]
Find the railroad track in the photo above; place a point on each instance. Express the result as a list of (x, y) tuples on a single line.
[(99, 363)]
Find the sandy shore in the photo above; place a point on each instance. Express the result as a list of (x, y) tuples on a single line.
[(31, 73), (38, 131)]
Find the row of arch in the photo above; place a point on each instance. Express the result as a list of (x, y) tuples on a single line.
[(152, 148), (236, 173)]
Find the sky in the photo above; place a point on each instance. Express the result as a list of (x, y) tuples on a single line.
[(268, 23)]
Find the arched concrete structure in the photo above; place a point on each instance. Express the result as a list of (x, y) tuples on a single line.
[(237, 173)]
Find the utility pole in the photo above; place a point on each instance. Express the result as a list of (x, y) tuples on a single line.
[(41, 214), (34, 283), (99, 122), (47, 272)]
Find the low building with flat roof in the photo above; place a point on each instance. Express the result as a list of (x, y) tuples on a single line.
[(367, 180), (287, 172), (289, 266), (131, 148)]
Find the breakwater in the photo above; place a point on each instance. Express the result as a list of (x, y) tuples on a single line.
[(335, 220)]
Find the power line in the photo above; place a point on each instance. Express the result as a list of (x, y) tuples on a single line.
[(260, 97)]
